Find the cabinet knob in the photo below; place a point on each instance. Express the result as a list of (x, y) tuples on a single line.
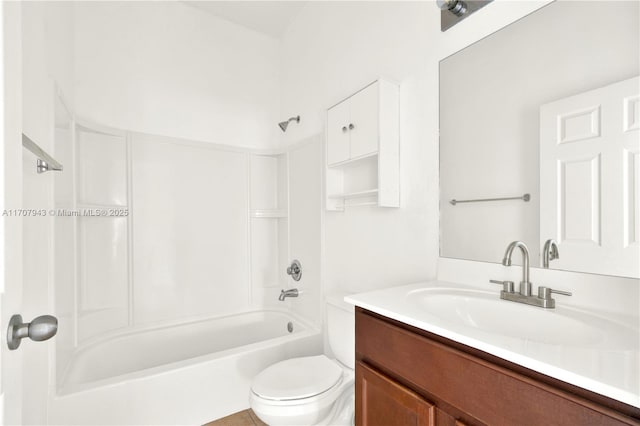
[(344, 129), (351, 126)]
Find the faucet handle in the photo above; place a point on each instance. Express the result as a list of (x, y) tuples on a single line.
[(545, 292), (507, 286), (295, 270)]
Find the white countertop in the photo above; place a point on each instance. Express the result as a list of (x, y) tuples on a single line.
[(609, 366)]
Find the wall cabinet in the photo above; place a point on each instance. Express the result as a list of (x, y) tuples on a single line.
[(353, 125), (363, 148), (426, 379)]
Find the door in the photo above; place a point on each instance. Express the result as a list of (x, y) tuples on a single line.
[(338, 133), (589, 174), (382, 401), (10, 198), (364, 121)]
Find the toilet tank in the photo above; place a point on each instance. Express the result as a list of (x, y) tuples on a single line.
[(341, 329)]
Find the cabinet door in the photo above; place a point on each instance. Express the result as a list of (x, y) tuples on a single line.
[(364, 120), (382, 401), (338, 133)]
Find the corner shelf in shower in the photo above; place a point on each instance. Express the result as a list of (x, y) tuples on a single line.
[(268, 213), (268, 210)]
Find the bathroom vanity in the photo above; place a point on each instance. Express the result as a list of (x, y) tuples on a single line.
[(405, 375), (445, 353)]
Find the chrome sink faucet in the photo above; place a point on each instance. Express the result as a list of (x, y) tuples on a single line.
[(543, 299), (525, 284)]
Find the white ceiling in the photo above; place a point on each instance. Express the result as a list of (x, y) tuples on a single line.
[(268, 17)]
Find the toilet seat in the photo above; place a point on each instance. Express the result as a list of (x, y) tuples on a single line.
[(326, 407), (297, 379)]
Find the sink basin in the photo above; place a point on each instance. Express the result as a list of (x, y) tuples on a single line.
[(486, 312)]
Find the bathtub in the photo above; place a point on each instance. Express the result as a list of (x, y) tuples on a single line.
[(186, 374)]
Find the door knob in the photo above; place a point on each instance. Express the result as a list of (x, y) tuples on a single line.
[(41, 328)]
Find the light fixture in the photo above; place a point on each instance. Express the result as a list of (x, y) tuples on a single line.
[(454, 11)]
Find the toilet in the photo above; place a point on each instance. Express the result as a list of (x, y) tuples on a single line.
[(313, 390)]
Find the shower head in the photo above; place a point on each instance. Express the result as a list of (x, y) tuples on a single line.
[(283, 125)]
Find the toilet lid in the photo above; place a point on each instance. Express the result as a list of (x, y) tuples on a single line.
[(297, 378)]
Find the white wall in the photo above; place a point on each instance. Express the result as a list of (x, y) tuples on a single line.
[(170, 69), (490, 127), (331, 50)]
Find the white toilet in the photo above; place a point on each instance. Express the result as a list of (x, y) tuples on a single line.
[(313, 390)]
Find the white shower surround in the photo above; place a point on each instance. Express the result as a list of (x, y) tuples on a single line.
[(182, 374), (194, 362)]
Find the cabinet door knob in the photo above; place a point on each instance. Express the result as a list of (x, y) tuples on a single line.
[(344, 129), (351, 126)]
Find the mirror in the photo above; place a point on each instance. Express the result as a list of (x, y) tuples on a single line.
[(548, 106)]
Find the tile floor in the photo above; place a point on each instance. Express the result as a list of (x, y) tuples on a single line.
[(241, 418)]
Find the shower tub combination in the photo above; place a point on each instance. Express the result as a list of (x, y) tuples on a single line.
[(186, 374)]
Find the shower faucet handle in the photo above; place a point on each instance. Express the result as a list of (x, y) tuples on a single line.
[(344, 129), (295, 270)]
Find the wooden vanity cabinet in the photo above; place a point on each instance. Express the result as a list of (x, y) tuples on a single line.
[(407, 376)]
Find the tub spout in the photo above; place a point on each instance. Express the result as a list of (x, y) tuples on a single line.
[(293, 292)]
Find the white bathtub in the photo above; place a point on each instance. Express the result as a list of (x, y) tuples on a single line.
[(186, 374)]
